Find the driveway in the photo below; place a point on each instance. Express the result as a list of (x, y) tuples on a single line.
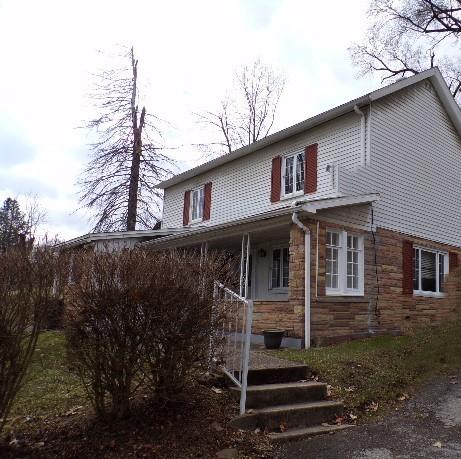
[(428, 426)]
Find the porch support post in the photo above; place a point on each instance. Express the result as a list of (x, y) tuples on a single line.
[(244, 264), (203, 250), (247, 264)]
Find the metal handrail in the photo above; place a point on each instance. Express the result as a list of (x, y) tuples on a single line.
[(244, 352)]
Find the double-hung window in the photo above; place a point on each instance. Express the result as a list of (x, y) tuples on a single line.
[(429, 270), (293, 175), (197, 198), (280, 267), (344, 263)]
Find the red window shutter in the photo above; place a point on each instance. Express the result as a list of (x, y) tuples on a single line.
[(407, 267), (310, 165), (186, 209), (276, 178), (207, 201), (453, 260)]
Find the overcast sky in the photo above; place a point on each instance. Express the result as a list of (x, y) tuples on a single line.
[(188, 52)]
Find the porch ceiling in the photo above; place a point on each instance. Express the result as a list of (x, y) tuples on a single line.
[(261, 231)]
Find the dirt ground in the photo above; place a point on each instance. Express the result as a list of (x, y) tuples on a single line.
[(194, 427)]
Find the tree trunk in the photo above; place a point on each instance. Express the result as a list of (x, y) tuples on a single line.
[(137, 151)]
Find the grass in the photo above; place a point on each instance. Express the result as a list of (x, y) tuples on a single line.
[(49, 388), (383, 369)]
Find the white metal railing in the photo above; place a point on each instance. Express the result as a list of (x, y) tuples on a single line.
[(230, 337)]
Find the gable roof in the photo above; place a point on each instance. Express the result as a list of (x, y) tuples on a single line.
[(433, 75)]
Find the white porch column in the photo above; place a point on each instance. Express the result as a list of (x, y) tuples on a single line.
[(244, 264)]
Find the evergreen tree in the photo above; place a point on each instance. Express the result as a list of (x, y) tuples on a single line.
[(13, 224)]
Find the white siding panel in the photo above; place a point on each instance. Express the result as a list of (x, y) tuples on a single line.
[(242, 188), (415, 166)]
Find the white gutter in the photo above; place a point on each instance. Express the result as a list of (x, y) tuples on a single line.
[(362, 134), (307, 278)]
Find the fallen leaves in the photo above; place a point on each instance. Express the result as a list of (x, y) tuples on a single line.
[(372, 406)]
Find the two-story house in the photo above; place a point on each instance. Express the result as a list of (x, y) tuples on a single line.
[(348, 223)]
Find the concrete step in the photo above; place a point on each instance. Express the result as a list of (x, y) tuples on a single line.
[(306, 432), (294, 415), (276, 375), (267, 395)]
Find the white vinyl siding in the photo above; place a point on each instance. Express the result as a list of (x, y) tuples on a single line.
[(242, 187), (415, 166)]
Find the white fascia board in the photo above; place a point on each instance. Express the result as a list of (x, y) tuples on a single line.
[(314, 206)]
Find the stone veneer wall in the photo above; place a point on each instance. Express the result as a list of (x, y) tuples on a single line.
[(341, 318)]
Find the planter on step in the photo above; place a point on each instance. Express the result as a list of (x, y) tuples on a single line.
[(273, 338)]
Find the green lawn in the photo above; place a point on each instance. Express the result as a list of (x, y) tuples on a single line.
[(49, 388), (382, 369)]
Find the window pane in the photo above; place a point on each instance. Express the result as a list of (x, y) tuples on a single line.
[(194, 204), (289, 175), (331, 277), (415, 269), (441, 271), (275, 268), (200, 203), (352, 262), (428, 271), (300, 172), (285, 267)]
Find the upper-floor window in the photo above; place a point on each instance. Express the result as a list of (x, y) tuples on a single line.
[(344, 263), (293, 174), (197, 197), (280, 267), (429, 270)]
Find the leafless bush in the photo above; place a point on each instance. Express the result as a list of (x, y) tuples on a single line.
[(138, 317), (26, 290)]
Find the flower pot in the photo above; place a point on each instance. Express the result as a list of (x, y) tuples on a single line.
[(273, 338)]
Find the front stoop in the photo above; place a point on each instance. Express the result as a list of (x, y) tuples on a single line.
[(287, 406)]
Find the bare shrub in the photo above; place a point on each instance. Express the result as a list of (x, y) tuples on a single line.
[(26, 290), (138, 317), (179, 336)]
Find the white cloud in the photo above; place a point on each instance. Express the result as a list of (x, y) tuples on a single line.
[(188, 52)]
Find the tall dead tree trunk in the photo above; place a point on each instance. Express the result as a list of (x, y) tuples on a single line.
[(120, 180)]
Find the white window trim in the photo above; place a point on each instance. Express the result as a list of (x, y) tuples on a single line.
[(293, 193), (446, 268), (342, 289), (278, 289), (191, 204)]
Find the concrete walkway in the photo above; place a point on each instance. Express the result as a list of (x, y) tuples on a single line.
[(428, 426)]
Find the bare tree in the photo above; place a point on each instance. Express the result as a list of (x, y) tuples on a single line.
[(250, 113), (127, 160), (408, 36)]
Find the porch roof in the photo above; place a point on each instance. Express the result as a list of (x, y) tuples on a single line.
[(277, 219)]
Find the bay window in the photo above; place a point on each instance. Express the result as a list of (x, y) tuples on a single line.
[(429, 270), (293, 174), (344, 263)]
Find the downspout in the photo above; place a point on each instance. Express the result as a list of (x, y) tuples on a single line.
[(307, 278), (362, 134)]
